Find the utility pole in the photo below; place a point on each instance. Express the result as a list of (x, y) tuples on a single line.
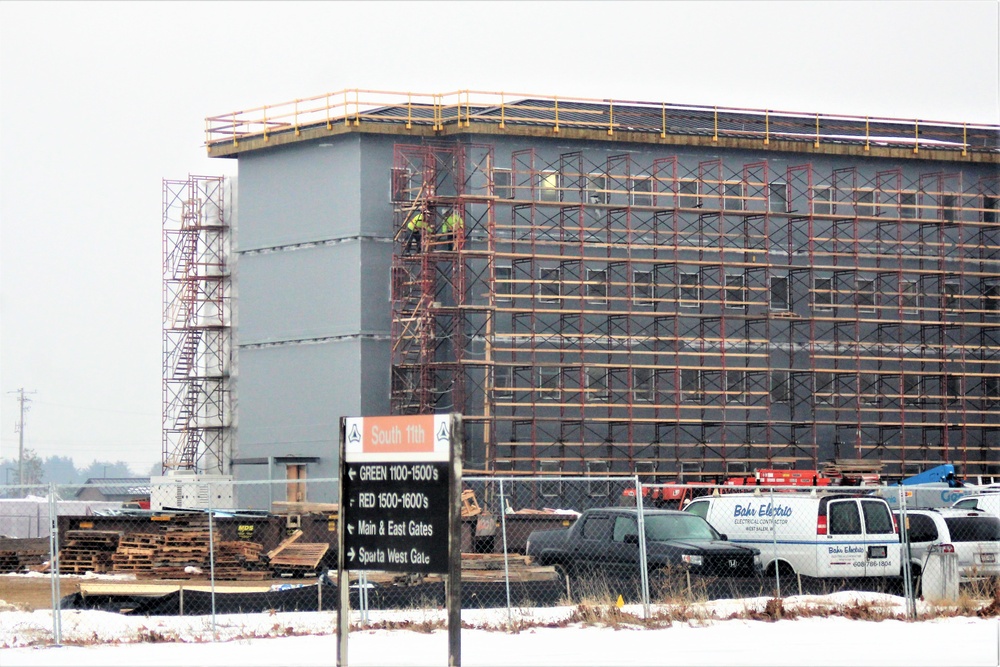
[(23, 400)]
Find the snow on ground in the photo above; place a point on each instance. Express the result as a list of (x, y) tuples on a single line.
[(246, 640)]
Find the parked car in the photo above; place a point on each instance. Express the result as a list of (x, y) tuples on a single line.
[(986, 502), (607, 540), (974, 535), (815, 535)]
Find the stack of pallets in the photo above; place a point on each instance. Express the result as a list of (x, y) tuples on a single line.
[(182, 552), (137, 552), (240, 560), (491, 567), (88, 551)]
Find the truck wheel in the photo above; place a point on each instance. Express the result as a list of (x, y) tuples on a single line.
[(784, 569)]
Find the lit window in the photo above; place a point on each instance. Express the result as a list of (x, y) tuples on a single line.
[(548, 186)]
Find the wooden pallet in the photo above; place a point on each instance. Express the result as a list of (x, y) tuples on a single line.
[(299, 557)]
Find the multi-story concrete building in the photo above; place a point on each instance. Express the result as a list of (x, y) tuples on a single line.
[(632, 287)]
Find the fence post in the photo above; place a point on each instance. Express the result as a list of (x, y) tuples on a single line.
[(506, 565), (774, 543), (643, 563), (211, 559), (904, 552), (54, 565)]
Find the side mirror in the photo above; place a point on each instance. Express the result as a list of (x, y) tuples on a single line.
[(723, 537), (631, 539)]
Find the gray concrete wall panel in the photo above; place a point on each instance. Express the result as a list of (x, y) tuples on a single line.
[(300, 193), (300, 294)]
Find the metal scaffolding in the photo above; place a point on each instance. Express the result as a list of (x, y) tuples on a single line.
[(667, 317), (197, 342)]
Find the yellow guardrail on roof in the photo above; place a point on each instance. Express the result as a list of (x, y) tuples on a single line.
[(351, 107)]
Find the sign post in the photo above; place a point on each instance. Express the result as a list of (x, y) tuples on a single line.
[(400, 507)]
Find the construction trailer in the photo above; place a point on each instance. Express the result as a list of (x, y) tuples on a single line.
[(633, 288)]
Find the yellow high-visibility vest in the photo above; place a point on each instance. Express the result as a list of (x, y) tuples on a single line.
[(452, 222), (416, 222)]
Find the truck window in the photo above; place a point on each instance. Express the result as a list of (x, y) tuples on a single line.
[(624, 525), (968, 504), (877, 517), (698, 508), (596, 528), (844, 518)]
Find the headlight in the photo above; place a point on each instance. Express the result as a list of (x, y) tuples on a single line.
[(756, 560), (691, 559), (527, 546)]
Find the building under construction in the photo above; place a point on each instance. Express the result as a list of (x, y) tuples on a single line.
[(609, 287)]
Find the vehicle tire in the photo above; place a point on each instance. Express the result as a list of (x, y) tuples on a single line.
[(917, 576), (784, 569)]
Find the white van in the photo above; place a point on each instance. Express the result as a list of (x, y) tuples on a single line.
[(828, 535), (987, 502)]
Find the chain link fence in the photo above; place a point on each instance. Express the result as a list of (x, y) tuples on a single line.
[(208, 548)]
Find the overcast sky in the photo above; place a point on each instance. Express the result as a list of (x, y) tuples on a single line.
[(101, 101)]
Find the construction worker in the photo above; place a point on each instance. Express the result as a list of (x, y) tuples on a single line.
[(416, 225), (450, 226)]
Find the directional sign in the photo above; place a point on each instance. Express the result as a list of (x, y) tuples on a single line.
[(396, 479)]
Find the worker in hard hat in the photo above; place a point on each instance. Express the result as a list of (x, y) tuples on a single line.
[(416, 225), (450, 226)]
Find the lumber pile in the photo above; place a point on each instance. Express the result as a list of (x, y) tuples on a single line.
[(296, 558), (490, 567), (88, 551), (23, 553), (182, 552)]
